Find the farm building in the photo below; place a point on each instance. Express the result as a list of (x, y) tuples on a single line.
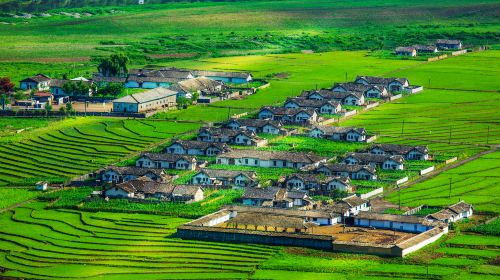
[(126, 173), (317, 183), (41, 185), (354, 204), (321, 106), (275, 197), (288, 115), (201, 85), (271, 159), (426, 48), (38, 82), (167, 161), (197, 148), (240, 136), (393, 222), (444, 44), (453, 213), (226, 77), (369, 91), (339, 133), (257, 126), (352, 98), (405, 51), (232, 178), (355, 172), (388, 162), (393, 84), (154, 99), (43, 97), (57, 87), (408, 152), (142, 188), (151, 78)]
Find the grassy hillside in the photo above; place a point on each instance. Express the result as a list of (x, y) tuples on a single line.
[(153, 34)]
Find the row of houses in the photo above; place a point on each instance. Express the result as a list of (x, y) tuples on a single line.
[(441, 44)]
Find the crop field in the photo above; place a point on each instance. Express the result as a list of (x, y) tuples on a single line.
[(477, 182), (74, 147), (59, 244), (12, 196)]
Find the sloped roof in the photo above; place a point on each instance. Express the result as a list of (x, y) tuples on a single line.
[(448, 41), (311, 103), (269, 193), (222, 131), (223, 173), (381, 80), (150, 95), (311, 177), (144, 186), (341, 167), (193, 144), (255, 122), (133, 170), (167, 157), (400, 149), (425, 47), (42, 94), (460, 207), (354, 201), (282, 111), (351, 86), (405, 49), (329, 130), (37, 78), (207, 73), (170, 72), (366, 158), (186, 190), (275, 155), (199, 84)]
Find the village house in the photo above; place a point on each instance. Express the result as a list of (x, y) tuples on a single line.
[(139, 188), (321, 106), (151, 78), (353, 171), (57, 87), (43, 97), (257, 126), (387, 162), (339, 133), (453, 213), (187, 193), (352, 98), (269, 159), (354, 204), (197, 148), (369, 91), (41, 185), (201, 85), (406, 223), (288, 115), (393, 84), (425, 49), (275, 197), (126, 173), (408, 152), (143, 188), (38, 82), (444, 44), (317, 183), (154, 99), (240, 136), (232, 178), (226, 77), (167, 161), (406, 51)]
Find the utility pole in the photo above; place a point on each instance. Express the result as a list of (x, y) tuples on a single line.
[(449, 194), (402, 127)]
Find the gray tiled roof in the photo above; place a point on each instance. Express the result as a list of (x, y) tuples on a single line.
[(366, 158), (400, 149), (340, 167), (259, 123), (167, 157), (354, 201), (133, 170), (193, 144), (405, 49), (186, 190), (223, 173), (207, 73), (329, 130), (145, 186), (350, 86), (380, 80), (275, 155), (310, 103), (37, 78), (150, 95), (282, 111), (329, 94), (448, 42), (427, 48), (269, 193)]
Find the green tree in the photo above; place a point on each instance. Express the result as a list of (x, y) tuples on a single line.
[(48, 107), (113, 66), (69, 108), (78, 88), (111, 89), (19, 95)]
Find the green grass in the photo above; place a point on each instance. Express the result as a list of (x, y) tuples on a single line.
[(12, 196), (317, 146), (492, 228)]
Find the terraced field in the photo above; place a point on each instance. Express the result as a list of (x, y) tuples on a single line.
[(61, 244), (69, 148)]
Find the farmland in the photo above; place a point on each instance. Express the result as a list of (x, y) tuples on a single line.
[(77, 146)]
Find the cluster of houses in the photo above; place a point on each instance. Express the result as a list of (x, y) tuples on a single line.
[(310, 105), (440, 45), (163, 87)]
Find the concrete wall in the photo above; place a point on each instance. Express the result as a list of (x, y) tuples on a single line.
[(427, 170), (259, 237), (402, 180), (372, 193)]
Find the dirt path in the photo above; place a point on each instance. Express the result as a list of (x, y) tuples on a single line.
[(17, 205), (445, 168)]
